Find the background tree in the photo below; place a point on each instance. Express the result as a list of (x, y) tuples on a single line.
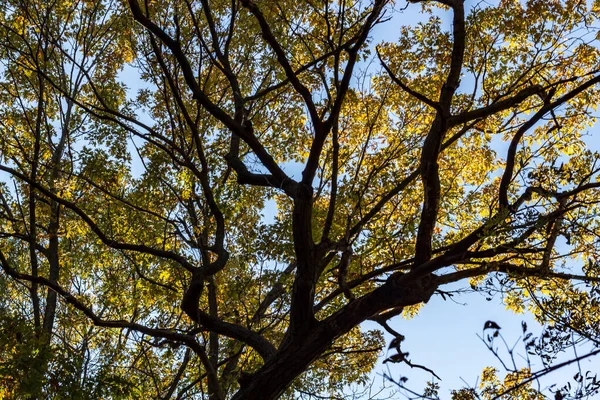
[(137, 258)]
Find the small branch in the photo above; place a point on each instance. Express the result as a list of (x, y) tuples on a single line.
[(508, 268), (433, 104), (539, 374)]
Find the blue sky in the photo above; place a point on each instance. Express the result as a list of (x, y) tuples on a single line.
[(443, 337)]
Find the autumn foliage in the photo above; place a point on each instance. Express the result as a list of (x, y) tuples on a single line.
[(206, 198)]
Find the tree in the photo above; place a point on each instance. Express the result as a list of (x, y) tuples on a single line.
[(138, 260)]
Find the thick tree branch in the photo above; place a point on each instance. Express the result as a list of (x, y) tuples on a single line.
[(334, 183), (432, 145), (496, 107), (297, 354)]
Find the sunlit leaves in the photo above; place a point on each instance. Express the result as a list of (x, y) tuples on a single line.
[(146, 158)]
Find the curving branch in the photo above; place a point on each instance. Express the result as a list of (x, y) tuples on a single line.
[(433, 104), (507, 176), (495, 107), (112, 243), (432, 144), (96, 320)]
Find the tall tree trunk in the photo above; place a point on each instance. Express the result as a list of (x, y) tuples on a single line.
[(53, 260)]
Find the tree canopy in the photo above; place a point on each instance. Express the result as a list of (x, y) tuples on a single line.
[(207, 198)]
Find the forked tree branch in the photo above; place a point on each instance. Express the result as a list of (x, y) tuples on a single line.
[(244, 132)]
